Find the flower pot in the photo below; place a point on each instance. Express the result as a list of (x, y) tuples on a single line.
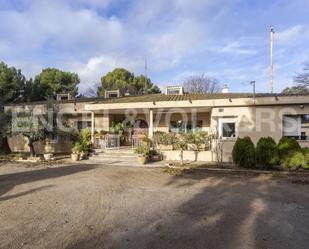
[(47, 156), (142, 159), (75, 157), (84, 155)]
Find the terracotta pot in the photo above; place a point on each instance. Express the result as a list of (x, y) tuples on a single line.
[(75, 157), (142, 159)]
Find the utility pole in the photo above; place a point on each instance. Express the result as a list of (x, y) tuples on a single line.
[(271, 71), (253, 85)]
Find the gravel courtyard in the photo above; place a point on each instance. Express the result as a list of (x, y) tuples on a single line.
[(95, 206)]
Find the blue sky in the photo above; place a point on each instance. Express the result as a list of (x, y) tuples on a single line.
[(225, 39)]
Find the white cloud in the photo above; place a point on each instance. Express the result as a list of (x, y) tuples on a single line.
[(234, 48), (92, 71), (90, 37), (291, 35)]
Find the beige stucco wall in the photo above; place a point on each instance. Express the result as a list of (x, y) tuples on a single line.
[(251, 119), (256, 122)]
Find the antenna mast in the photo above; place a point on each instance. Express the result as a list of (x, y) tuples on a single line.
[(146, 68), (271, 71)]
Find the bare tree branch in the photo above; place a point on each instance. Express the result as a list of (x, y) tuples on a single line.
[(302, 79), (202, 84)]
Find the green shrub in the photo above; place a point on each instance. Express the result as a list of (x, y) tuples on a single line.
[(290, 153), (244, 153), (142, 150), (294, 160), (266, 152), (161, 137), (77, 148), (85, 140), (306, 155), (287, 145)]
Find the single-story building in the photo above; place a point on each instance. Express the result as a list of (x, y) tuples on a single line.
[(228, 115)]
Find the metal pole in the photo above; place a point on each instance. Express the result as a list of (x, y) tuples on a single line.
[(271, 82), (253, 84)]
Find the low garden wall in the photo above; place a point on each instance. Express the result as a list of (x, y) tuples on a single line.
[(19, 144), (175, 155)]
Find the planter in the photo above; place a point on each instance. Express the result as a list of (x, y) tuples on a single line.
[(75, 157), (156, 158), (164, 147), (84, 155), (142, 159), (47, 156)]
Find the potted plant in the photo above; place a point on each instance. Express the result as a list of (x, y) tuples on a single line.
[(76, 150), (142, 153)]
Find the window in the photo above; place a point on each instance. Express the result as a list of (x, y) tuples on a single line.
[(185, 127), (296, 126), (227, 127), (112, 94), (305, 119), (174, 90), (83, 124)]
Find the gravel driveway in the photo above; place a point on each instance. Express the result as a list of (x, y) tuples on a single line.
[(94, 206)]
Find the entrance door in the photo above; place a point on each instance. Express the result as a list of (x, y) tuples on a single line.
[(140, 131)]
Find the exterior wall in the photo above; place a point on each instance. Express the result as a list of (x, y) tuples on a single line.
[(251, 118), (256, 122)]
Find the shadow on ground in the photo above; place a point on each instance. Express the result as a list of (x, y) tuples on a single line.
[(237, 212), (9, 181)]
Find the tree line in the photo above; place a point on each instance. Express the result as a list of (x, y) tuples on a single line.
[(14, 87)]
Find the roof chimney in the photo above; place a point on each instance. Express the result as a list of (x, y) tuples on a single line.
[(225, 88)]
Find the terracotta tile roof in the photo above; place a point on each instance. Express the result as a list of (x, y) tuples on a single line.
[(164, 97)]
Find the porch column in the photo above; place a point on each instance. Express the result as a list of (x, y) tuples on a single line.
[(92, 127), (150, 124)]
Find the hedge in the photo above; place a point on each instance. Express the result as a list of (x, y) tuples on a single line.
[(244, 153)]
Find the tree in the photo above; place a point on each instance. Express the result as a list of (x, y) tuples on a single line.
[(4, 126), (302, 79), (201, 84), (126, 82), (12, 84), (28, 125), (52, 81), (295, 90)]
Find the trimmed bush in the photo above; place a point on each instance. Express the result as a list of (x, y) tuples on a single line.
[(294, 160), (291, 155), (287, 145), (306, 155), (244, 153), (266, 152)]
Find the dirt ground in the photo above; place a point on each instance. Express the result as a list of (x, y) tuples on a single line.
[(94, 206)]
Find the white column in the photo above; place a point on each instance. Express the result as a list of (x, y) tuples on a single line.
[(92, 127), (150, 124)]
